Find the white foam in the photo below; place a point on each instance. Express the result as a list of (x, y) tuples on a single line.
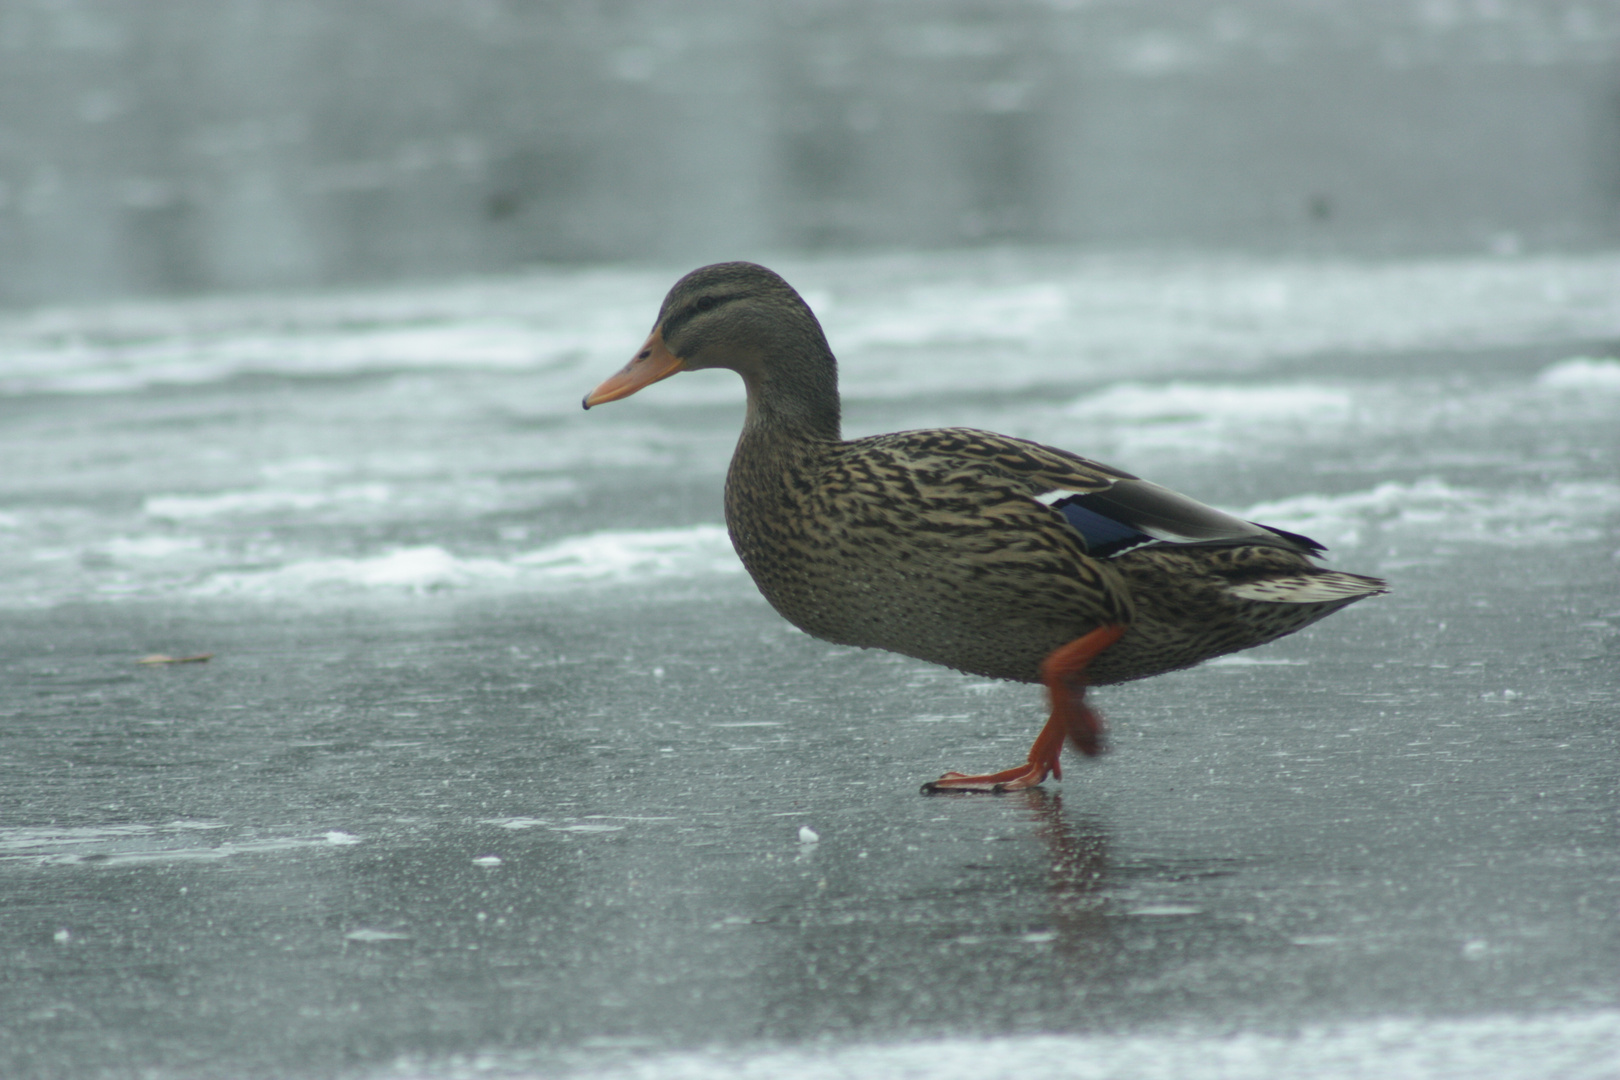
[(601, 559), (1181, 402), (516, 822), (412, 570), (977, 313), (34, 841), (634, 556), (191, 507), (161, 565), (1579, 1046), (1432, 511), (522, 323), (117, 845), (1030, 321), (150, 547), (1582, 373), (1243, 660), (188, 360), (1131, 420), (1041, 319)]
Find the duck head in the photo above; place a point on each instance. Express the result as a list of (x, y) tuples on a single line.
[(740, 316)]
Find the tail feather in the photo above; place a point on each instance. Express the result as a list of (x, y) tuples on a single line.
[(1322, 587)]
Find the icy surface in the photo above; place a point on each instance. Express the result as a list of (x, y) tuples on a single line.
[(501, 767), (1582, 1047)]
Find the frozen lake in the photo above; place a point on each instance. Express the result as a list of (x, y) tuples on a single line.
[(500, 763)]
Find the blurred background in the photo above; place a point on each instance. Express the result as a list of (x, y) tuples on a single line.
[(183, 146)]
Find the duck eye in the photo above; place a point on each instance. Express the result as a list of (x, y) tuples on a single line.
[(706, 303)]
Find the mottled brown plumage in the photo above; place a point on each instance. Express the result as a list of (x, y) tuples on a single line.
[(993, 555)]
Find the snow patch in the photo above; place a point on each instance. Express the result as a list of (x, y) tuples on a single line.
[(1183, 402), (1582, 373), (121, 845), (595, 560), (1046, 319), (1432, 510), (1195, 417), (634, 556), (418, 569), (190, 507), (150, 547), (1570, 1047), (1243, 660)]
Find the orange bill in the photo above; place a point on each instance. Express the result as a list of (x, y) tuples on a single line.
[(652, 363)]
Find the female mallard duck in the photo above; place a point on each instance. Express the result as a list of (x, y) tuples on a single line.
[(991, 555)]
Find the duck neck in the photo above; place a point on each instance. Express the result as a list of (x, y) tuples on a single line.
[(794, 399)]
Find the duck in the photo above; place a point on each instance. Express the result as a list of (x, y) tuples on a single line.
[(996, 556)]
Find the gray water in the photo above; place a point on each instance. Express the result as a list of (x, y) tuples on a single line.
[(500, 766), (196, 145)]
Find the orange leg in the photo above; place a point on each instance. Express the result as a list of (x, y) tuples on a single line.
[(1064, 673)]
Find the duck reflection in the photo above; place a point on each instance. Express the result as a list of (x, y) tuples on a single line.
[(1077, 871)]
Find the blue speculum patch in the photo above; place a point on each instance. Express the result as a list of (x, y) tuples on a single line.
[(1103, 535)]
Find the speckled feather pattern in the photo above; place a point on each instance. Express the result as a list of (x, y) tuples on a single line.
[(931, 544)]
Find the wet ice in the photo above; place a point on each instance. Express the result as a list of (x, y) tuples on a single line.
[(456, 620)]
